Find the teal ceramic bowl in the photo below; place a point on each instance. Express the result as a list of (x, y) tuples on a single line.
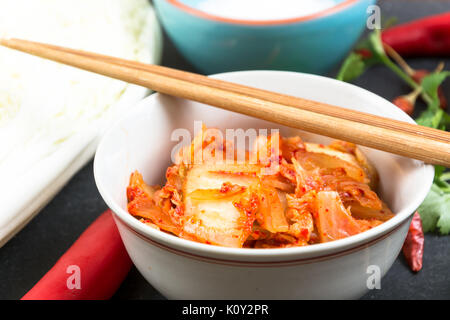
[(312, 44)]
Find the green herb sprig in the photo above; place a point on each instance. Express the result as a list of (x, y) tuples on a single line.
[(435, 210)]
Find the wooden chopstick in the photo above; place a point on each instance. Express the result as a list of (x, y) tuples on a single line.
[(291, 101), (429, 145)]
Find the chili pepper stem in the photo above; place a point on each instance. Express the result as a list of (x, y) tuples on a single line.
[(407, 68), (398, 58), (408, 101), (439, 67), (412, 97), (401, 73), (405, 78)]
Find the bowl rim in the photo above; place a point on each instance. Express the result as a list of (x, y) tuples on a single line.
[(199, 13), (168, 241)]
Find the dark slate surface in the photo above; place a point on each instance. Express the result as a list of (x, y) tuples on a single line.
[(26, 257)]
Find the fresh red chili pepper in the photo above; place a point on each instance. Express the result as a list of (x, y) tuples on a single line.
[(429, 36), (100, 259), (404, 104), (413, 246), (407, 102)]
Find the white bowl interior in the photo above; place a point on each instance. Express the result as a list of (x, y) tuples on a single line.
[(143, 140)]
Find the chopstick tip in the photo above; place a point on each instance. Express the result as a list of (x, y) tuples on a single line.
[(4, 40)]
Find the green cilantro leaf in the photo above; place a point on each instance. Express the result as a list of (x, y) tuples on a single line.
[(445, 120), (430, 85), (352, 67), (434, 116), (367, 53), (431, 118), (435, 211)]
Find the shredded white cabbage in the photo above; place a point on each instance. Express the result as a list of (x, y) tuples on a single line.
[(42, 103), (52, 115)]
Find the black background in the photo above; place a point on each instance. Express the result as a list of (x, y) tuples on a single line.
[(34, 250)]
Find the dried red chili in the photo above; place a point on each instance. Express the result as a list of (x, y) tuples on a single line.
[(407, 102), (414, 242), (404, 104)]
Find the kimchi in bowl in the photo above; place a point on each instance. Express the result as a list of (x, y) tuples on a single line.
[(145, 140)]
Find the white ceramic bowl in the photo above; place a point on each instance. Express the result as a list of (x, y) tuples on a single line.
[(182, 269)]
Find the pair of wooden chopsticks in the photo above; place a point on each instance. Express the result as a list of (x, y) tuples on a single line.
[(414, 141)]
